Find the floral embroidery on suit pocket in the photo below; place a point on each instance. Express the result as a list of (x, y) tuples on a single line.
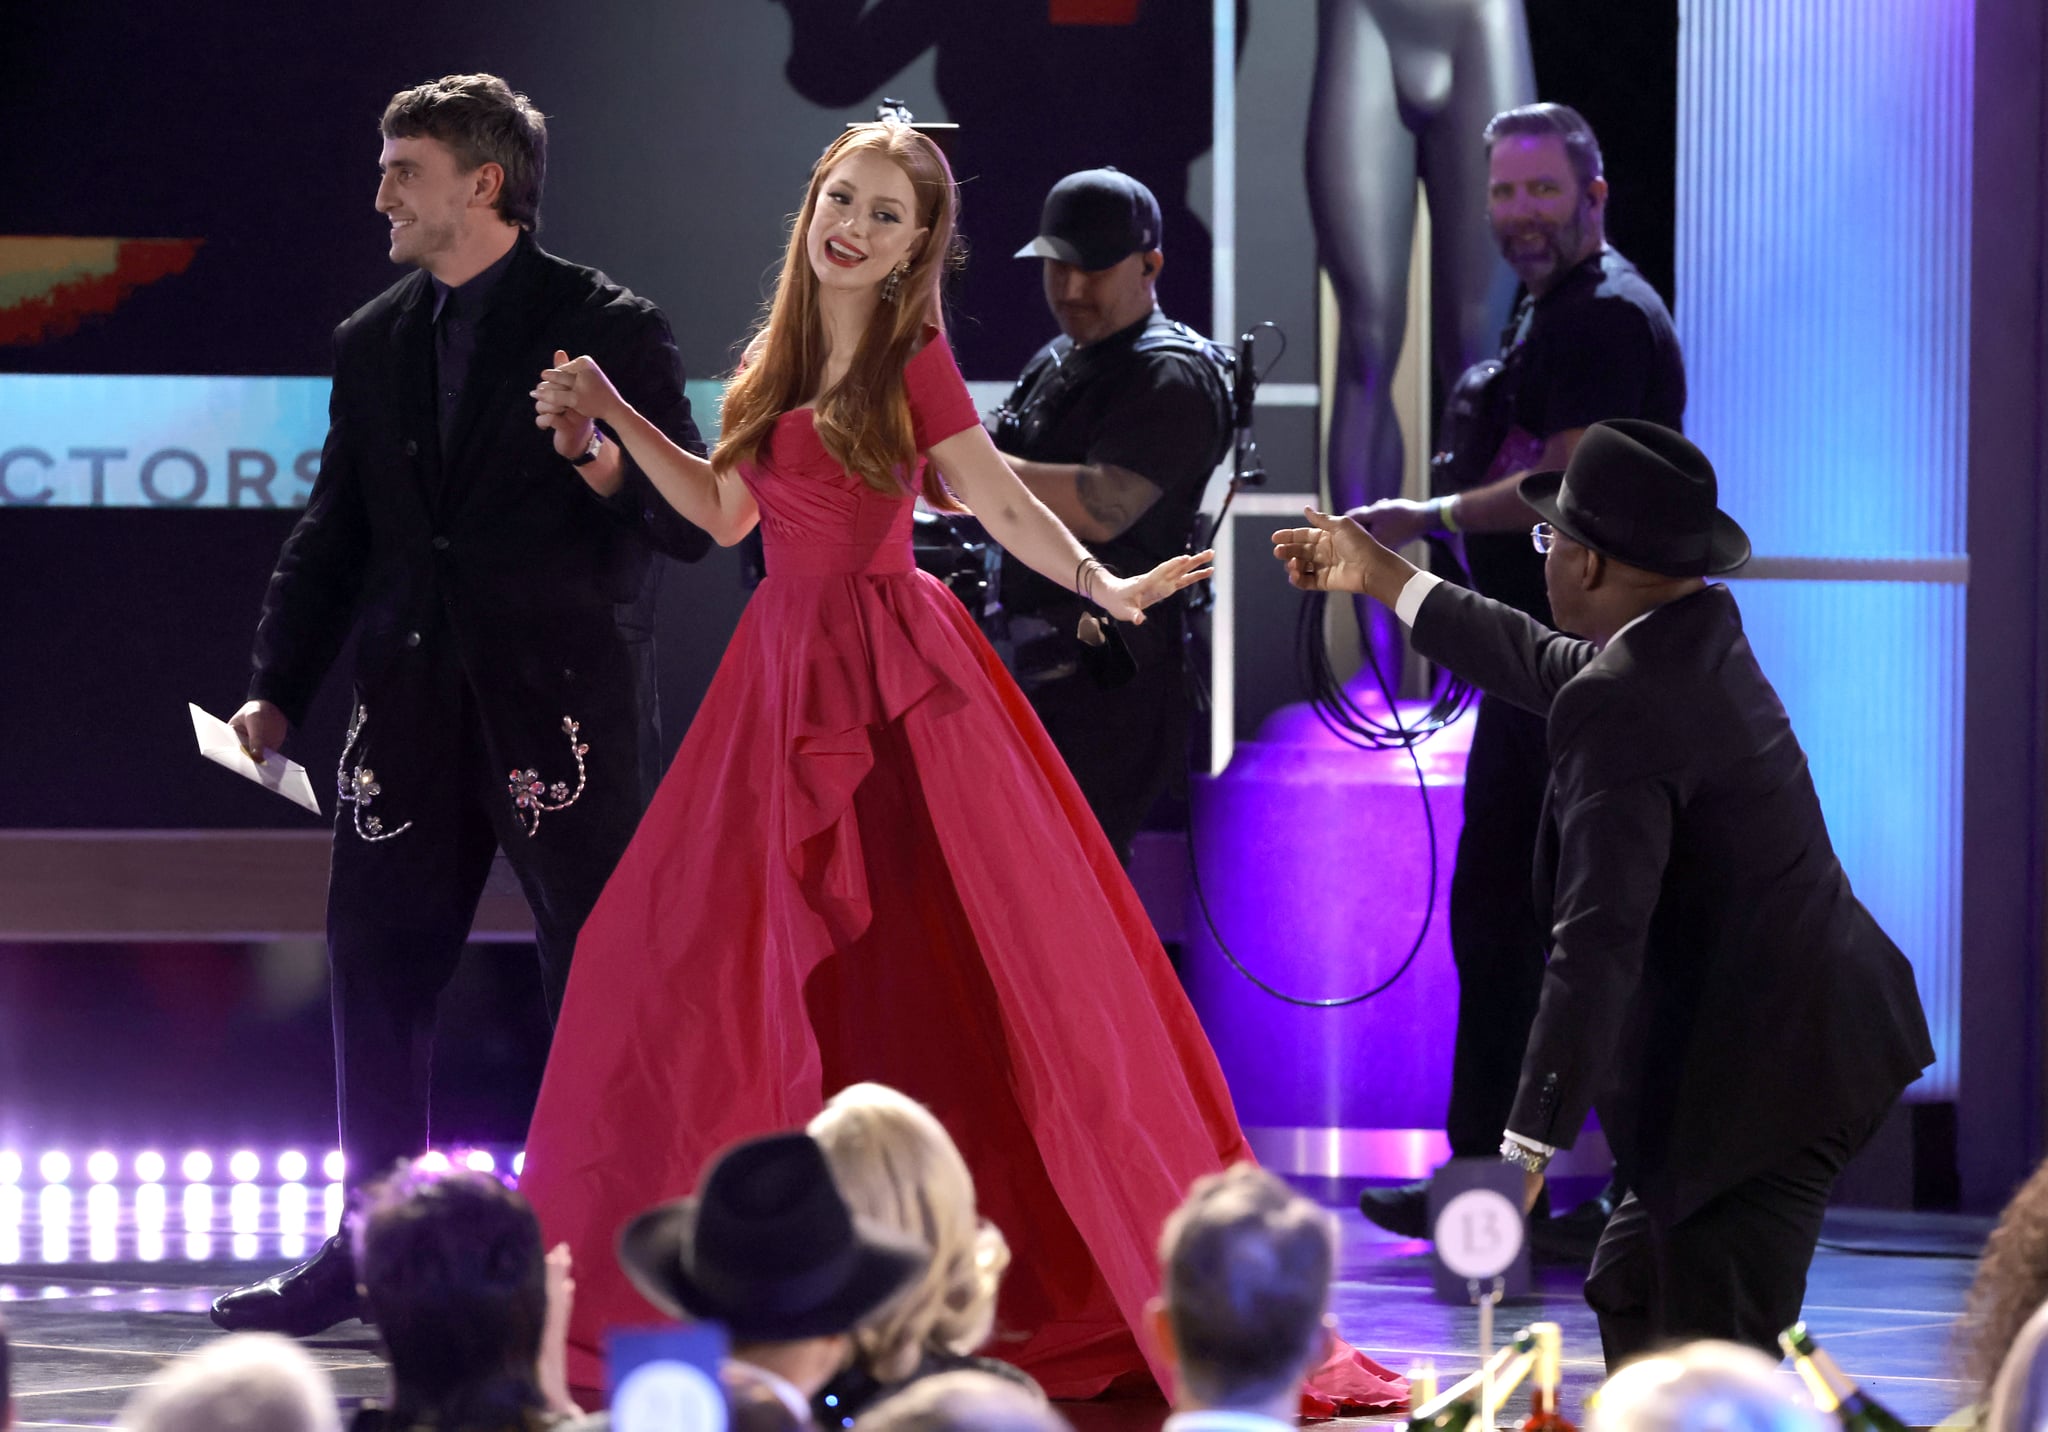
[(358, 784), (531, 796)]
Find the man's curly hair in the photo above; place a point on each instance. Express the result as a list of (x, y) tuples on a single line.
[(2012, 1281)]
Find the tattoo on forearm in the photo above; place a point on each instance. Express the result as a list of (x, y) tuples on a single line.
[(1114, 496)]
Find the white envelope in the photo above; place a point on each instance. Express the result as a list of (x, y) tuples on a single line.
[(219, 744)]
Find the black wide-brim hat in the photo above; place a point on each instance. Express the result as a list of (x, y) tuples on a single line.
[(768, 1248), (1641, 494)]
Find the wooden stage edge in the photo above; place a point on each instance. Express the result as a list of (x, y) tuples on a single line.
[(169, 885), (257, 885)]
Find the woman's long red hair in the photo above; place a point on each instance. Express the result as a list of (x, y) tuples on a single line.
[(864, 419)]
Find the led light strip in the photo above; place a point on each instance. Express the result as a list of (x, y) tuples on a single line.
[(56, 1168)]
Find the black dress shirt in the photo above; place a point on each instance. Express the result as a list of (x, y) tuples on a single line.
[(458, 312)]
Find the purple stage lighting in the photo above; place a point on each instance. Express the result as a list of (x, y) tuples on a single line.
[(102, 1167), (432, 1161), (291, 1166), (10, 1167), (197, 1166), (244, 1166), (480, 1161), (334, 1166), (55, 1167), (150, 1166)]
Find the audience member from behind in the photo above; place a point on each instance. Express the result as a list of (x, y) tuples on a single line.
[(1243, 1316), (2018, 1400), (248, 1382), (2011, 1282), (895, 1164), (769, 1249), (1704, 1386), (465, 1303), (964, 1400)]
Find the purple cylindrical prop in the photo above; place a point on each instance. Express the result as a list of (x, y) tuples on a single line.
[(1315, 860)]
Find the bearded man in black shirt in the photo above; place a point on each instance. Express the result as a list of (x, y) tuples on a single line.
[(1116, 426), (1589, 340)]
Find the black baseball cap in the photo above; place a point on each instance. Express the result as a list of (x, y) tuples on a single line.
[(1094, 219)]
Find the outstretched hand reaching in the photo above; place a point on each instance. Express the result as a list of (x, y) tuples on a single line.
[(1126, 598), (1337, 554)]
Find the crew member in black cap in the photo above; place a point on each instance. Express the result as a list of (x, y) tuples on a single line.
[(1116, 425), (1713, 987), (768, 1249)]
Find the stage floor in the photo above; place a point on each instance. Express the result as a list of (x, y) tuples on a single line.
[(102, 1286)]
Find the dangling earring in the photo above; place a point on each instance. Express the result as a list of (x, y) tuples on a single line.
[(894, 281)]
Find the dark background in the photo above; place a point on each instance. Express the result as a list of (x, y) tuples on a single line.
[(679, 146)]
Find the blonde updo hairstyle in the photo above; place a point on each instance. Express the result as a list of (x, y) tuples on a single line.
[(895, 1163)]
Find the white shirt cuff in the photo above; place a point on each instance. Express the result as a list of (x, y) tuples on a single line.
[(1410, 601), (1544, 1149)]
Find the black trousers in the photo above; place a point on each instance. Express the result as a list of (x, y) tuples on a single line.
[(1496, 941), (1733, 1269), (399, 913), (1127, 745)]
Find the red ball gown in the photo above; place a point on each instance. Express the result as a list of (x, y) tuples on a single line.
[(869, 862)]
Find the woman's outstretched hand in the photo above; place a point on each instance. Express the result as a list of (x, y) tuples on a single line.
[(1126, 598), (1337, 554), (577, 389)]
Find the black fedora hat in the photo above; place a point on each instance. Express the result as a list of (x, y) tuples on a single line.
[(767, 1247), (1641, 494)]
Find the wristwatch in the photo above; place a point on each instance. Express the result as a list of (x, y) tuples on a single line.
[(589, 454), (1514, 1151)]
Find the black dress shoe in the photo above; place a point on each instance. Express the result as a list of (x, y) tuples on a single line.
[(298, 1302), (1403, 1209), (1572, 1236)]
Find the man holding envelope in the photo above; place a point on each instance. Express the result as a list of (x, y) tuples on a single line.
[(490, 568)]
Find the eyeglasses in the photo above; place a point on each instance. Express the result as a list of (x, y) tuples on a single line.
[(1543, 537)]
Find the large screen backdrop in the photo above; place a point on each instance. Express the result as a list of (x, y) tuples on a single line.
[(190, 212)]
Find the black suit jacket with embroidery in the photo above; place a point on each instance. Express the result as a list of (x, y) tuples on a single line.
[(1714, 987), (490, 566)]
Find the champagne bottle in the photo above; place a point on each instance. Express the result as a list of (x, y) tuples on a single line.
[(1461, 1406), (1833, 1389), (1544, 1414), (1452, 1417), (1421, 1387)]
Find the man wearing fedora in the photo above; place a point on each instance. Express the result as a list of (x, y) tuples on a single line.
[(769, 1250), (1589, 340), (1714, 988)]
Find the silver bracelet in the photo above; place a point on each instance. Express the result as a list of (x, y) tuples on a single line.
[(1523, 1157)]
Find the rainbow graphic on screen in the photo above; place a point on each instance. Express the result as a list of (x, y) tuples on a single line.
[(48, 286)]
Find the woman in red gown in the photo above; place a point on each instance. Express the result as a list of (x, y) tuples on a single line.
[(867, 861)]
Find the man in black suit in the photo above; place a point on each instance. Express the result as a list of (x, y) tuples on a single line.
[(496, 575), (1588, 340), (1714, 988)]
